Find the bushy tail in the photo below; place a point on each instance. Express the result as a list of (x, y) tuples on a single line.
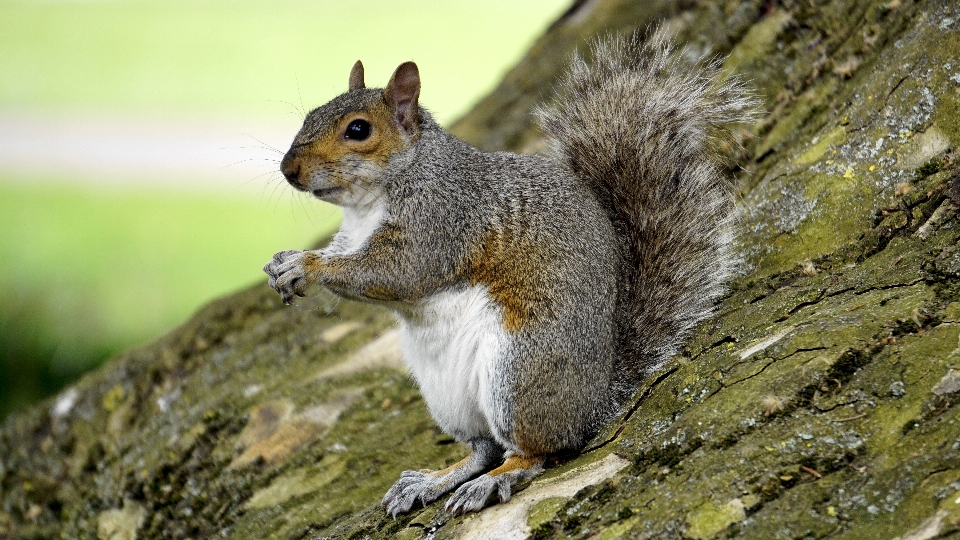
[(640, 125)]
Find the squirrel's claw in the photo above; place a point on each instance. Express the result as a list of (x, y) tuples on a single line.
[(411, 487)]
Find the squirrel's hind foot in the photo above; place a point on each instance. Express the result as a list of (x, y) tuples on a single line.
[(414, 486), (474, 495), (428, 486)]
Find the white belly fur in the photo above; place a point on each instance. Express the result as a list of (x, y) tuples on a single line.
[(452, 345)]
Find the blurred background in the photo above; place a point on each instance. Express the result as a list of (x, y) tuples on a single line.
[(140, 141)]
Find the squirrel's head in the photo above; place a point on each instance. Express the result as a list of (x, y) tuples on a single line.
[(345, 145)]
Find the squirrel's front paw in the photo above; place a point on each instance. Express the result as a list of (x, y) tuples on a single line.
[(288, 273)]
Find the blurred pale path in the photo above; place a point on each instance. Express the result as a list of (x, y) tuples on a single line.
[(184, 153), (140, 142)]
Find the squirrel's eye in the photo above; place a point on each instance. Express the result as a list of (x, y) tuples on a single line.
[(358, 130)]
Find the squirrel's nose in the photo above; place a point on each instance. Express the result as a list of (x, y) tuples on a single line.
[(290, 167)]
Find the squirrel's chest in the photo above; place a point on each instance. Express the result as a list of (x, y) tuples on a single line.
[(453, 344), (357, 227)]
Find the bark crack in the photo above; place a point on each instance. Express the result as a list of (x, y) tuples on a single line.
[(888, 287), (772, 361), (633, 408)]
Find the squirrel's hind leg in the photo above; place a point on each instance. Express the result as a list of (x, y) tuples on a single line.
[(473, 495), (426, 487)]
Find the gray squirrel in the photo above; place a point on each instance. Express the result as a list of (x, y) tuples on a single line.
[(534, 294)]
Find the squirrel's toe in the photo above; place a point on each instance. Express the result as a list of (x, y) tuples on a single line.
[(412, 486), (474, 495)]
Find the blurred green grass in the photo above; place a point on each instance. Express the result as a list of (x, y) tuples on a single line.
[(125, 261), (87, 270)]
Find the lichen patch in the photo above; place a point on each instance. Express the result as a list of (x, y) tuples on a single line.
[(709, 519), (120, 523), (509, 520), (382, 352), (299, 482), (750, 351), (922, 149), (339, 331), (949, 384), (275, 433)]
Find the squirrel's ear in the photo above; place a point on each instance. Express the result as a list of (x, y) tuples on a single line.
[(356, 77), (402, 93)]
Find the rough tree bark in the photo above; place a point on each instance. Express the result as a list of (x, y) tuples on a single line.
[(820, 402)]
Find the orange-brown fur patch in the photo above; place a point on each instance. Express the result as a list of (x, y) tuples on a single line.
[(514, 463), (330, 147), (447, 470), (530, 437), (313, 264), (504, 265)]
